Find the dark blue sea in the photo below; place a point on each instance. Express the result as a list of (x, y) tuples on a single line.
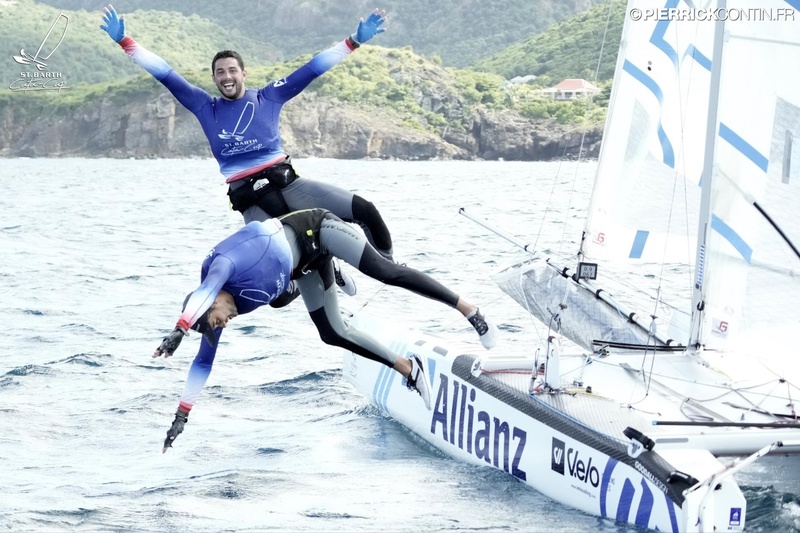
[(97, 256)]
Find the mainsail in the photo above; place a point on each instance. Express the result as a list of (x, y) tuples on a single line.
[(748, 289)]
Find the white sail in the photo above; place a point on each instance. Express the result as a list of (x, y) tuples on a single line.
[(645, 200), (750, 285)]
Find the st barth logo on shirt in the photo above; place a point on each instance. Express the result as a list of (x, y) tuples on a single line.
[(41, 79), (245, 118), (238, 144)]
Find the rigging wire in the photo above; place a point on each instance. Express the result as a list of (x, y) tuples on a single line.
[(430, 240), (727, 389), (486, 304), (589, 102)]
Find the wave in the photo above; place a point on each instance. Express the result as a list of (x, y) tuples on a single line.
[(303, 383), (270, 451), (88, 359), (771, 510), (27, 370), (331, 516)]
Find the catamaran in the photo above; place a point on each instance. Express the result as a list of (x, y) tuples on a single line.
[(668, 391)]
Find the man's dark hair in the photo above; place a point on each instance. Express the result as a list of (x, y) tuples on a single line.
[(202, 326), (224, 54)]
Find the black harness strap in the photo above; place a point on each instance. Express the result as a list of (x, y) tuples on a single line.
[(306, 225), (263, 189)]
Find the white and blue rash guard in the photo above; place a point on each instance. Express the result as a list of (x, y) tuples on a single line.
[(254, 265), (243, 133)]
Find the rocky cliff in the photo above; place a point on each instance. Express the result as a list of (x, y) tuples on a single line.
[(154, 125)]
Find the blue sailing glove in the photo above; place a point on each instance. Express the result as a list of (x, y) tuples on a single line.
[(114, 26), (369, 28)]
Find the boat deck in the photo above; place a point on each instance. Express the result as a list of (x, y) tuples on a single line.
[(600, 413)]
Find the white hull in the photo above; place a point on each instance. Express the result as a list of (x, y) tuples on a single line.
[(568, 447)]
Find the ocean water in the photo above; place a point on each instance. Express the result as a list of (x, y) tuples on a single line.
[(97, 256)]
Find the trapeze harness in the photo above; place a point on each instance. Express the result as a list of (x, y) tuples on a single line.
[(263, 189), (306, 225)]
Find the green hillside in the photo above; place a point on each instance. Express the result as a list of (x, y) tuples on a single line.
[(569, 49), (87, 55), (418, 91), (459, 31)]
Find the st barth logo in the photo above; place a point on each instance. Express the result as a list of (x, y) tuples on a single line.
[(241, 126), (238, 144), (41, 79)]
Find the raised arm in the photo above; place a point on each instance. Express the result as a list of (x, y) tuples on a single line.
[(190, 97), (287, 88)]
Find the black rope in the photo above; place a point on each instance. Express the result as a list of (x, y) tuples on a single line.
[(778, 229)]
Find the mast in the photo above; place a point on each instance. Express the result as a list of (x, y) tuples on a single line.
[(704, 226)]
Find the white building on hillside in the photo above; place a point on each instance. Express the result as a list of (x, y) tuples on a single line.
[(572, 88)]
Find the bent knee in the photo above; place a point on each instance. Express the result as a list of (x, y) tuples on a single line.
[(328, 333), (328, 336)]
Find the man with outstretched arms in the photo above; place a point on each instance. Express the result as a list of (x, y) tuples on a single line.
[(242, 127), (252, 268)]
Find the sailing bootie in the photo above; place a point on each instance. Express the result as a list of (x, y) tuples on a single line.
[(417, 380), (485, 328), (343, 279)]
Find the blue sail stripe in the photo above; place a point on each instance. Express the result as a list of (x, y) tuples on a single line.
[(743, 146), (658, 35), (698, 56), (794, 3), (625, 499), (647, 81), (669, 154), (638, 244), (645, 506), (610, 465), (718, 225)]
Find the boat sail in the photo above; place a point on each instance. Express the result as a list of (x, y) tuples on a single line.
[(747, 288), (661, 176), (697, 182)]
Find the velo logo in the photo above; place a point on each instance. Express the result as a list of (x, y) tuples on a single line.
[(557, 456)]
